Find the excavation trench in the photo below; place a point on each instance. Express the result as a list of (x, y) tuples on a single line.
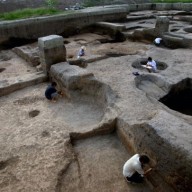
[(179, 97), (99, 153), (99, 158), (176, 97), (98, 166)]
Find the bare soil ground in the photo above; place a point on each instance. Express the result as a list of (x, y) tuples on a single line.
[(36, 152), (12, 66), (35, 147)]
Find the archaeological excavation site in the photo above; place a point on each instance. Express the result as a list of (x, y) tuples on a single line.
[(112, 106)]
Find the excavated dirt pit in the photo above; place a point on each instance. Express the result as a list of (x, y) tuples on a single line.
[(80, 112), (98, 167), (98, 161), (179, 97), (13, 66), (143, 61), (34, 113), (2, 69), (188, 30)]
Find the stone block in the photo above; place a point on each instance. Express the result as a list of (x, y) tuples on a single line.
[(50, 41), (162, 25), (29, 54), (69, 76), (52, 50), (173, 42)]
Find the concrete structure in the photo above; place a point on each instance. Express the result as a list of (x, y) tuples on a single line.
[(12, 5), (161, 26), (161, 6), (70, 24), (34, 28), (52, 50)]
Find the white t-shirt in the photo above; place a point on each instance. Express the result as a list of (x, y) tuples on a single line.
[(152, 64), (132, 165), (158, 40)]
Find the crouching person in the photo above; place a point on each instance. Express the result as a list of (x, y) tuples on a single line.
[(133, 169), (51, 92), (158, 41)]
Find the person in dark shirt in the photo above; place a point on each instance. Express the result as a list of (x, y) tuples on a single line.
[(51, 92)]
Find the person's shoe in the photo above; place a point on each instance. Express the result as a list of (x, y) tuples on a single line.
[(128, 181), (136, 73)]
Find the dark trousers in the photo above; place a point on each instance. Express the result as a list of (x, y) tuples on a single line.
[(136, 178)]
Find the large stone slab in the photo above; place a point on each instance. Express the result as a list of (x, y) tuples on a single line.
[(174, 42), (69, 76), (29, 54)]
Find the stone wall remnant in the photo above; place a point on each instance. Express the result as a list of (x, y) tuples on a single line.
[(65, 24), (162, 25), (51, 50), (29, 54)]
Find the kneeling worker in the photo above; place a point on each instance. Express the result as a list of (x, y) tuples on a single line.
[(51, 92), (151, 65), (158, 41), (133, 169)]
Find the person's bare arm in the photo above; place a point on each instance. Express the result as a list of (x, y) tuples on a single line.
[(147, 171)]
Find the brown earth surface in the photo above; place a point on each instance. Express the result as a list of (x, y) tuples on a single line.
[(36, 151)]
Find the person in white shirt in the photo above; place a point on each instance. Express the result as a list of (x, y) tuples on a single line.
[(133, 168), (151, 65), (158, 41)]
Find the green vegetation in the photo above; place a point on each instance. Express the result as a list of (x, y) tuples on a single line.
[(172, 1), (26, 13)]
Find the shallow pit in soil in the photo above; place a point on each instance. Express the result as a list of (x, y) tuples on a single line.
[(179, 97), (98, 167), (34, 113)]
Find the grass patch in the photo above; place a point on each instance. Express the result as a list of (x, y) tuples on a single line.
[(172, 1), (26, 13)]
